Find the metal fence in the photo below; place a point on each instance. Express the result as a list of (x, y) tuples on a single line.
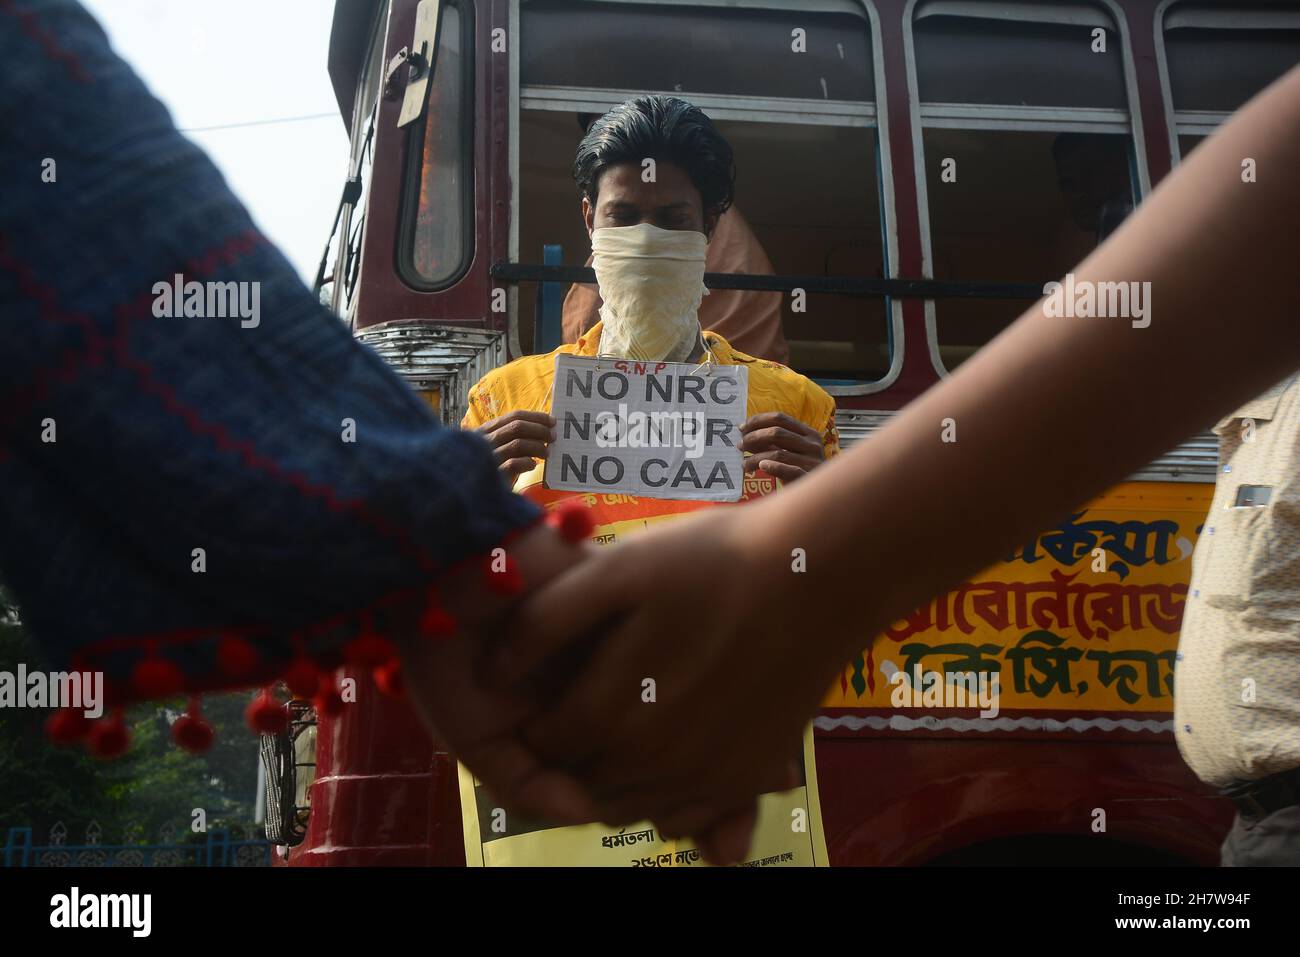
[(217, 849)]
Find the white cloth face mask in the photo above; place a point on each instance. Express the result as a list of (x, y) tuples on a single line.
[(652, 283)]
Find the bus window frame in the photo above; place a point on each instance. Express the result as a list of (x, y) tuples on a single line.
[(723, 107), (1192, 122), (1014, 118), (412, 165)]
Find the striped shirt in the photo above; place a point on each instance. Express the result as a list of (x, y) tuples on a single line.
[(1237, 681)]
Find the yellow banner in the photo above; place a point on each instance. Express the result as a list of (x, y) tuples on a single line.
[(1084, 617), (788, 833)]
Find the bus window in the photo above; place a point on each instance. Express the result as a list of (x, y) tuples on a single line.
[(964, 57), (438, 218), (802, 128), (1187, 143), (1219, 55), (1027, 151), (699, 49)]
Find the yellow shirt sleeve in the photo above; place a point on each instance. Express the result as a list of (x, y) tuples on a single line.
[(823, 420), (817, 411), (479, 407)]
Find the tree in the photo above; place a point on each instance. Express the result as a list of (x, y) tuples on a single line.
[(154, 787)]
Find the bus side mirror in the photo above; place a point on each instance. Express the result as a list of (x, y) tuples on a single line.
[(420, 64)]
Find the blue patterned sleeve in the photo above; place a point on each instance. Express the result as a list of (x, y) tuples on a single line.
[(169, 480)]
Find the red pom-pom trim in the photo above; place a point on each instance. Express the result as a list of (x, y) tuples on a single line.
[(507, 581), (67, 726), (435, 623), (109, 737), (265, 715), (191, 731), (157, 678), (303, 678), (236, 657), (114, 693), (572, 521), (388, 678), (368, 650)]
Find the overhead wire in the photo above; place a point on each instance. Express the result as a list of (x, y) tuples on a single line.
[(267, 122)]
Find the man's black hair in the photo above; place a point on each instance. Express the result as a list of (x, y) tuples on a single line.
[(663, 128)]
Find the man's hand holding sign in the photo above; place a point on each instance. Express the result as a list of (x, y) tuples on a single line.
[(775, 442), (518, 438), (781, 446)]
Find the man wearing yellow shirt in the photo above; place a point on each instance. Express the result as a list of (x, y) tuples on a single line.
[(654, 176)]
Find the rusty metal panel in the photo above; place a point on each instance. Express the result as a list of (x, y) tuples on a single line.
[(440, 362)]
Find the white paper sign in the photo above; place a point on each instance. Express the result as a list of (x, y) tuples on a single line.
[(653, 429)]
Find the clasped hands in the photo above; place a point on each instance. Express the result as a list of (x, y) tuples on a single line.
[(542, 696)]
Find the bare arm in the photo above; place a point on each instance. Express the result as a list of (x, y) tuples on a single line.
[(1057, 409)]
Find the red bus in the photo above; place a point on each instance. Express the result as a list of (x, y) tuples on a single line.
[(915, 170)]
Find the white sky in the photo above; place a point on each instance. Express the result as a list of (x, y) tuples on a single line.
[(217, 62)]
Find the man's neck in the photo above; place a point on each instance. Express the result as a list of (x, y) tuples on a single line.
[(695, 354)]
